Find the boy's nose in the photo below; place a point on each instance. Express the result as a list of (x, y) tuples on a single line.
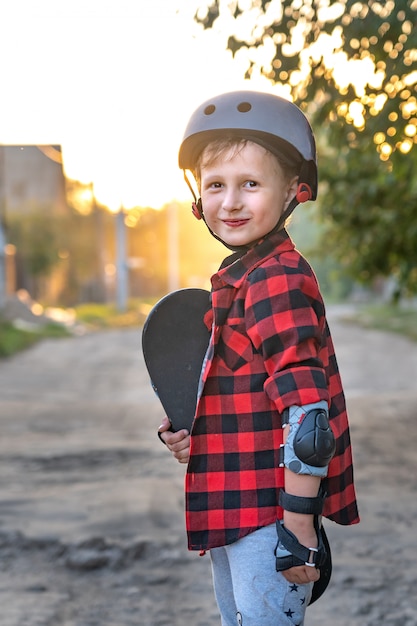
[(232, 201)]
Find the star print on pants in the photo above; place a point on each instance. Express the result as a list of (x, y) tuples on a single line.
[(293, 588), (289, 613)]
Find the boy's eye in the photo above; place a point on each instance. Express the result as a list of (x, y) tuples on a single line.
[(251, 183)]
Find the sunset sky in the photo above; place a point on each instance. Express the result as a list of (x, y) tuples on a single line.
[(113, 82)]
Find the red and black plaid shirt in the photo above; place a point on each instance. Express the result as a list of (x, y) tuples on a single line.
[(270, 349)]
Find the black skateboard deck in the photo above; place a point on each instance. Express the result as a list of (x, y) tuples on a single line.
[(174, 343)]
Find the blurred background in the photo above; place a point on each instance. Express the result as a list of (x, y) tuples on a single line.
[(95, 97), (95, 226)]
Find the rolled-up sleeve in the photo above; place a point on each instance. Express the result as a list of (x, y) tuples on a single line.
[(285, 320)]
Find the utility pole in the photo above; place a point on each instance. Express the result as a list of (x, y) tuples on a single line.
[(121, 262), (173, 248), (101, 290)]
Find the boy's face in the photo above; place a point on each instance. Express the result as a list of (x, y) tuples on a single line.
[(244, 192)]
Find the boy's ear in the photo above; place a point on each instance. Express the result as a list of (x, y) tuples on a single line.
[(292, 191)]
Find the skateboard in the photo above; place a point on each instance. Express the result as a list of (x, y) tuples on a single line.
[(174, 343)]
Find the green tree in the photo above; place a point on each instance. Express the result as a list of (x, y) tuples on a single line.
[(352, 66), (37, 240)]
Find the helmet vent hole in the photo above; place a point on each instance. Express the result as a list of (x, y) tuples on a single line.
[(209, 110), (244, 107)]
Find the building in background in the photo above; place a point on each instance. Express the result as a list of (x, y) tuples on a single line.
[(32, 182), (31, 177)]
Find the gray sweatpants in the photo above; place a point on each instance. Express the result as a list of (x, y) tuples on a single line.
[(249, 591)]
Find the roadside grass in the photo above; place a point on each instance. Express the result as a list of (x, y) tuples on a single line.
[(14, 339), (91, 317), (390, 318), (100, 316)]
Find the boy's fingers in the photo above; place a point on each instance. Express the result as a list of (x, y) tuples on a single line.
[(179, 444), (302, 575), (176, 440), (165, 425)]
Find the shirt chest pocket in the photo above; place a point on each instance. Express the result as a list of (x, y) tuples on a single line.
[(234, 348)]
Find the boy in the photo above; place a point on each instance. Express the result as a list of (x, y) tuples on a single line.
[(269, 450)]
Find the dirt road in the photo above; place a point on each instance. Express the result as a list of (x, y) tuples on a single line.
[(91, 521)]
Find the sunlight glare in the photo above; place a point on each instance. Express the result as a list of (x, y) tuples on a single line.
[(114, 87), (115, 84)]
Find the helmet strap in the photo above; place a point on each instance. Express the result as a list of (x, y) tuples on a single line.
[(303, 194)]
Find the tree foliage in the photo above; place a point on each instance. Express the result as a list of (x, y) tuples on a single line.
[(352, 66)]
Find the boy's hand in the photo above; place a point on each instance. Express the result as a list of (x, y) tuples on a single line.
[(303, 528), (178, 443), (301, 575)]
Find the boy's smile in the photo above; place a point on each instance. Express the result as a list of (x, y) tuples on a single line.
[(244, 193)]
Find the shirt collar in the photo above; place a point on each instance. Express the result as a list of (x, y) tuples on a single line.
[(235, 268)]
